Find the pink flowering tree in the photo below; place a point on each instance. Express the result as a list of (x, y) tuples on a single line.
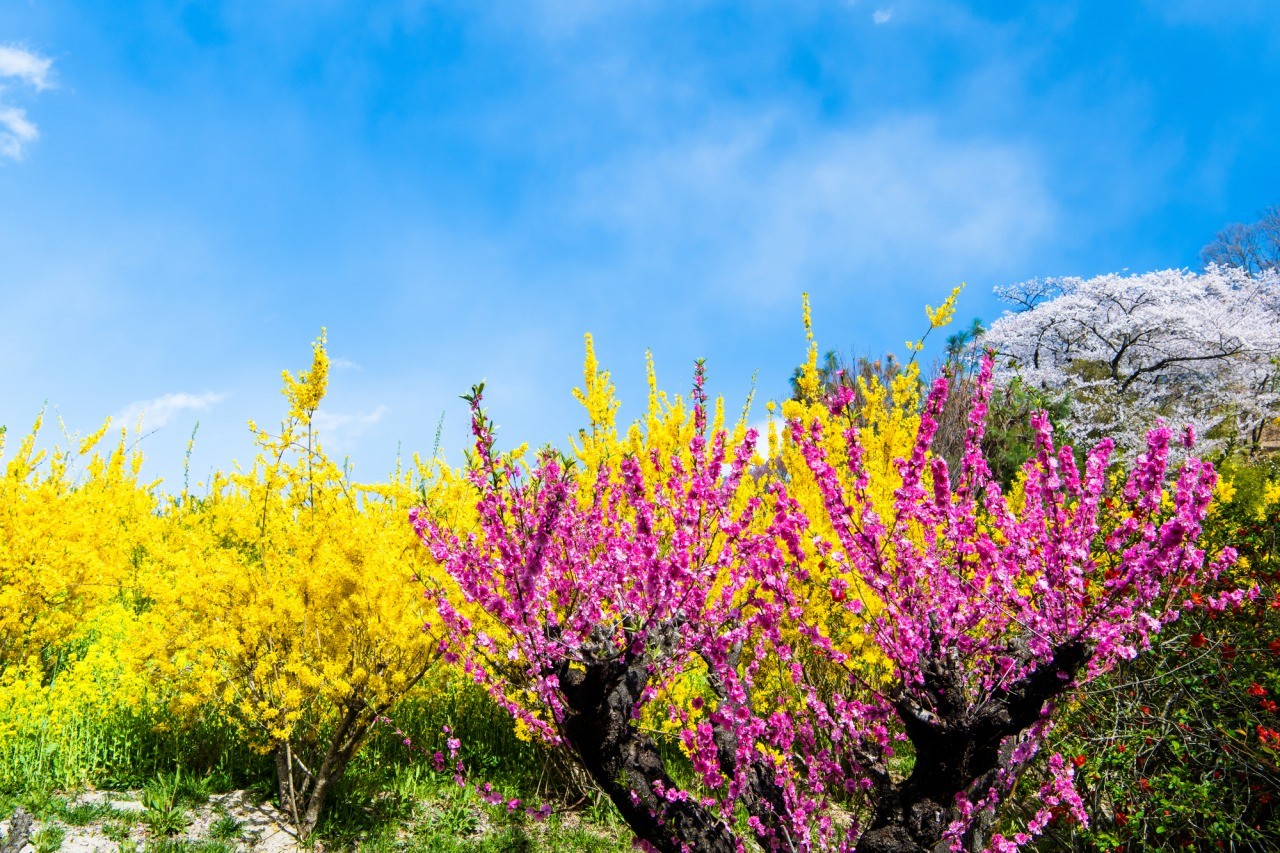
[(598, 598)]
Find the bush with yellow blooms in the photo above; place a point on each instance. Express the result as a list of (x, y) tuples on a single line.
[(76, 529), (287, 598)]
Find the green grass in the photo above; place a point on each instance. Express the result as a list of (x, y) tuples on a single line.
[(123, 750), (226, 828), (76, 814), (48, 839)]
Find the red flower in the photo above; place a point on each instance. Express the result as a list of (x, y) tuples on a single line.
[(1269, 737), (1275, 646), (1079, 761), (1256, 689), (1228, 651), (1270, 705), (1198, 640)]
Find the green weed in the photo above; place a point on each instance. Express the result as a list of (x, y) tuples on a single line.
[(49, 839), (225, 828)]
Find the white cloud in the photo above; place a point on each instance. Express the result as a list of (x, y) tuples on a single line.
[(339, 363), (16, 130), (754, 213), (25, 66), (882, 16), (339, 430), (160, 411)]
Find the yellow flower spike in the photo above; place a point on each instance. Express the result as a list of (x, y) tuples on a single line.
[(771, 428), (809, 383), (944, 313), (1270, 497), (91, 441), (1223, 491), (305, 393), (596, 395)]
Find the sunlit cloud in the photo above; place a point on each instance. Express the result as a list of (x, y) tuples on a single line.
[(24, 67), (162, 410), (758, 215), (340, 430)]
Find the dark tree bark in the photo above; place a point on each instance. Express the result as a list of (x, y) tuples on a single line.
[(958, 750), (625, 763), (627, 766), (19, 835)]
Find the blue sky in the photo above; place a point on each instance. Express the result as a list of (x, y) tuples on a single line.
[(190, 189)]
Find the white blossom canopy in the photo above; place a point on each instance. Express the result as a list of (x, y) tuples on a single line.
[(1193, 348)]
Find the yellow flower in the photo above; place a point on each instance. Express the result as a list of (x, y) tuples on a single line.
[(305, 393), (944, 313)]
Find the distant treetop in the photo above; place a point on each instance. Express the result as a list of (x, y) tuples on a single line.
[(1254, 247)]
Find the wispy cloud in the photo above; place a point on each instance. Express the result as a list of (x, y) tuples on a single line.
[(882, 16), (160, 411), (16, 132), (339, 430), (24, 67), (759, 214)]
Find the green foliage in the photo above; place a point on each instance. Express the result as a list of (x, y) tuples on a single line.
[(118, 829), (164, 798), (77, 814), (124, 748), (49, 839), (226, 828)]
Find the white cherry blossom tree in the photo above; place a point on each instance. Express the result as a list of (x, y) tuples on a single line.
[(1193, 348)]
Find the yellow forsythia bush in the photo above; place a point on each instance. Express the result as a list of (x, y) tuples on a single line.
[(286, 602), (66, 547), (287, 599), (75, 529)]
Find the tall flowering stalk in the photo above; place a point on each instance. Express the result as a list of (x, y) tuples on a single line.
[(587, 598)]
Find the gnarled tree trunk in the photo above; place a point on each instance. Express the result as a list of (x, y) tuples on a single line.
[(958, 750), (625, 763)]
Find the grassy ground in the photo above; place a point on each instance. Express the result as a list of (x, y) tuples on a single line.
[(392, 797), (413, 817)]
